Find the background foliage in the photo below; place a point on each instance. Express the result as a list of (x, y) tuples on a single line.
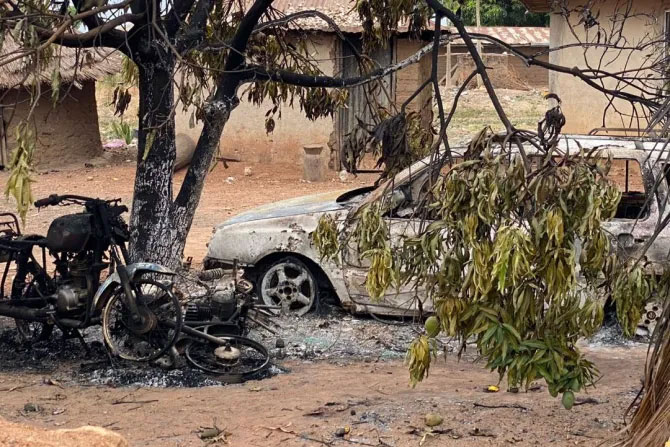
[(499, 13)]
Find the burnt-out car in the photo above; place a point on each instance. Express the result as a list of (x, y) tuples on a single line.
[(272, 243)]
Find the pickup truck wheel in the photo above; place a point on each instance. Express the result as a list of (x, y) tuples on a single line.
[(289, 284)]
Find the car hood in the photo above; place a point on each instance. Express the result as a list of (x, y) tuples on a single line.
[(317, 203)]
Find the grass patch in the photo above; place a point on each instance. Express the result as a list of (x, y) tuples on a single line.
[(475, 111)]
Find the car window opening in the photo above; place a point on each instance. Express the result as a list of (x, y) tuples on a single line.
[(627, 176)]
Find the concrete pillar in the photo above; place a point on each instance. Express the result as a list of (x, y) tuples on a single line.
[(313, 170)]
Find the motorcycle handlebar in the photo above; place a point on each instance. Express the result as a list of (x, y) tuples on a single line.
[(51, 200), (55, 199)]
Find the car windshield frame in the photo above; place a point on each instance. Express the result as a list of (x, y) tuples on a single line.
[(418, 168)]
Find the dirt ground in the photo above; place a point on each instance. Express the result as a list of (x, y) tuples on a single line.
[(363, 392), (306, 407)]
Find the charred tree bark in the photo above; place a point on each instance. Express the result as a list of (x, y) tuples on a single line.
[(154, 235), (159, 224)]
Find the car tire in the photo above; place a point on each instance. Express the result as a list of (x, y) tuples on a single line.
[(288, 283)]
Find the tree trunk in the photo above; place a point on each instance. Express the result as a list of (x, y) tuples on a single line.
[(159, 223), (154, 236)]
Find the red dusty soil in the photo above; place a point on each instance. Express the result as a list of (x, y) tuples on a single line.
[(22, 435), (307, 406)]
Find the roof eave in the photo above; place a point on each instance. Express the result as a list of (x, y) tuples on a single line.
[(537, 5)]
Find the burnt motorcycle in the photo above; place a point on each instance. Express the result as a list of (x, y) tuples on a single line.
[(140, 315), (215, 328)]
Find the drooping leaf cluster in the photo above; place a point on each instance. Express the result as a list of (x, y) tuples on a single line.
[(397, 141), (502, 262), (497, 259), (35, 62), (380, 19), (18, 184), (274, 48), (632, 286), (290, 51)]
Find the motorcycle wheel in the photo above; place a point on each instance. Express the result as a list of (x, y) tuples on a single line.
[(150, 338), (236, 360), (33, 331)]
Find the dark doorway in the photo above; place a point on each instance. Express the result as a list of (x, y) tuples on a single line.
[(360, 98)]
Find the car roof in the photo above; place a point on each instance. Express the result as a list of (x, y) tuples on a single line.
[(619, 148)]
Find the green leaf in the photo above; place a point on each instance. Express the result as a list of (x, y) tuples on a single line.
[(489, 333), (151, 136), (512, 331)]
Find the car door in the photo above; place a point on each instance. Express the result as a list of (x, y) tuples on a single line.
[(396, 301), (408, 299), (633, 227)]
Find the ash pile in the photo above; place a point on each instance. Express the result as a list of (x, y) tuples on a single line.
[(216, 305)]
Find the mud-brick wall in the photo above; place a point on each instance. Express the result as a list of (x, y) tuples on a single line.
[(530, 77), (244, 136), (534, 76), (410, 78), (68, 133)]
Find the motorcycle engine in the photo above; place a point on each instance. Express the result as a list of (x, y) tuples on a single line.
[(221, 306), (72, 294), (70, 298)]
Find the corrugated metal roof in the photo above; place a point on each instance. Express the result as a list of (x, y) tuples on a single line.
[(515, 35), (341, 11)]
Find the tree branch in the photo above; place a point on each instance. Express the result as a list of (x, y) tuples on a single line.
[(574, 71), (476, 57), (176, 16), (105, 34), (442, 135), (257, 73), (190, 36), (221, 105)]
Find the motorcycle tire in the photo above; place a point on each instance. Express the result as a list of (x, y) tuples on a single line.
[(33, 331), (136, 341)]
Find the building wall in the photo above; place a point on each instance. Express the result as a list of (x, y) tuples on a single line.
[(244, 136), (524, 76), (534, 76), (66, 134), (409, 79), (583, 106)]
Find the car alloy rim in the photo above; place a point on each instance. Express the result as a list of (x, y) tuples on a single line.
[(650, 315), (290, 286)]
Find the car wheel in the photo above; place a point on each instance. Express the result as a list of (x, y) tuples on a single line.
[(289, 284), (650, 315)]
